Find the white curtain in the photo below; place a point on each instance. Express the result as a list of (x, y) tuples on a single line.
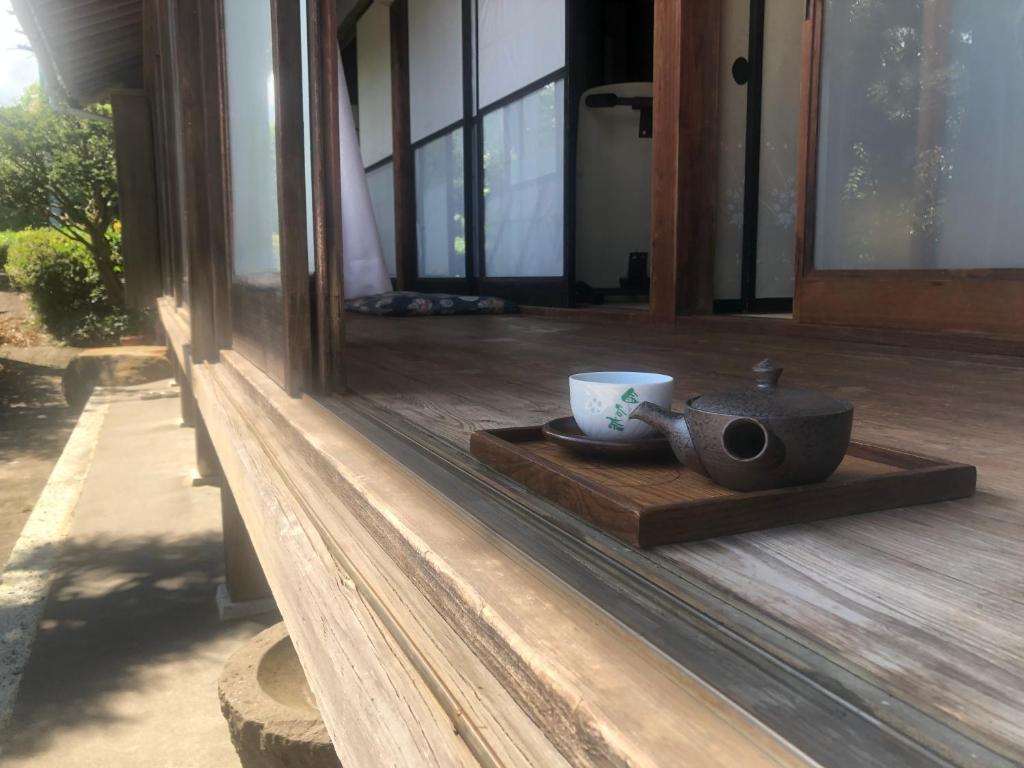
[(364, 269)]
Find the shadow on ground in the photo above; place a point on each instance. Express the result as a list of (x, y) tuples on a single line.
[(34, 418), (125, 620)]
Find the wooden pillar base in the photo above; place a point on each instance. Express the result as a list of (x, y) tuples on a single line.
[(243, 574), (207, 465)]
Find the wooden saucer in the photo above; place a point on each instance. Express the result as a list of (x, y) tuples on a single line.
[(566, 432)]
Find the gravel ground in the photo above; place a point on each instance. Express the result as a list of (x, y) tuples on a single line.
[(34, 419)]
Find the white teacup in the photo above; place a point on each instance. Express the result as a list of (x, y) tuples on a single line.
[(601, 402)]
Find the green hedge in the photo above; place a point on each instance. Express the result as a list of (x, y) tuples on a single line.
[(6, 238), (60, 278)]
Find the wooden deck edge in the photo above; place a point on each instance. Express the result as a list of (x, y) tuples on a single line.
[(511, 642), (176, 327)]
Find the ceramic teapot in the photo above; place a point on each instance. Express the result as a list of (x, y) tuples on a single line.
[(762, 437)]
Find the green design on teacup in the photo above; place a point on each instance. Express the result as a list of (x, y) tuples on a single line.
[(630, 396), (620, 411), (615, 424)]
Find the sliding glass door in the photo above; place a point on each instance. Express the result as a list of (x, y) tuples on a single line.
[(487, 130)]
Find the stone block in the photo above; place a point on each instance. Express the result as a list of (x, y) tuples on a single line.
[(113, 367)]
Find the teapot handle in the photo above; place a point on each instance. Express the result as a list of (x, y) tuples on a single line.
[(766, 374)]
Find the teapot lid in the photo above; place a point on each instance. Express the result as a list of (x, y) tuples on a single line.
[(766, 398)]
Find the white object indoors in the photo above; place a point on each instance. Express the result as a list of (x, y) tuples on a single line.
[(362, 254), (613, 187)]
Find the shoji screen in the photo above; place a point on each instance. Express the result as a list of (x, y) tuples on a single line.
[(520, 41), (435, 65), (373, 65)]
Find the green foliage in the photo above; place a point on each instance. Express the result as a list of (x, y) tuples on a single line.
[(61, 279), (60, 168), (6, 238)]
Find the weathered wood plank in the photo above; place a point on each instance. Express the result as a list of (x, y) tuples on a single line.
[(455, 375), (495, 638)]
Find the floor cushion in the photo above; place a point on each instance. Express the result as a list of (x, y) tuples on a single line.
[(405, 303)]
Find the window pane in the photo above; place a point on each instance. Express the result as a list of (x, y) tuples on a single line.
[(921, 157), (373, 68), (381, 182), (435, 65), (520, 41), (523, 186), (440, 207), (251, 120)]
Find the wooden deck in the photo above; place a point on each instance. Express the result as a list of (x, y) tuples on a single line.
[(927, 601)]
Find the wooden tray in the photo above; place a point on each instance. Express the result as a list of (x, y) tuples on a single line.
[(659, 502)]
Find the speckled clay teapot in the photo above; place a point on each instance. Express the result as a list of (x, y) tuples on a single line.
[(762, 437)]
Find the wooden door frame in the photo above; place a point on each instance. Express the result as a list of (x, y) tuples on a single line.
[(324, 77), (978, 301), (684, 172)]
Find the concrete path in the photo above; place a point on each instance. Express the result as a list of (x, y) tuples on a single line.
[(124, 668)]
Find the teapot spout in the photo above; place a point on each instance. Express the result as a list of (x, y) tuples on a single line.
[(660, 418), (673, 425)]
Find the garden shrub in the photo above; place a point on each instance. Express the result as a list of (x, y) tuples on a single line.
[(6, 238), (60, 278)]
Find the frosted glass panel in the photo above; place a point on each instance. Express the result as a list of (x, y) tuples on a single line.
[(373, 57), (381, 182), (523, 186), (435, 65), (732, 128), (251, 120), (921, 156), (519, 42), (780, 128), (440, 207)]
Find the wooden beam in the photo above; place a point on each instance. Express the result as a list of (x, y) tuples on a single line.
[(324, 74), (186, 38), (136, 189), (685, 156), (403, 160), (291, 194), (214, 131)]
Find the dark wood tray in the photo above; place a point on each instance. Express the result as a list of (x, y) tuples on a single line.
[(659, 502)]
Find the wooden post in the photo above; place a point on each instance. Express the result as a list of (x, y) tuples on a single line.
[(290, 127), (324, 72), (207, 464), (685, 156), (215, 173), (404, 168), (187, 43), (136, 190), (243, 574)]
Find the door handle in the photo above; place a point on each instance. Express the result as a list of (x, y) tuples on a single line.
[(741, 70)]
